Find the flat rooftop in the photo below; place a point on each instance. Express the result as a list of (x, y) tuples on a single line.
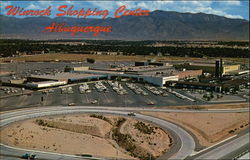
[(147, 68), (65, 75), (210, 64)]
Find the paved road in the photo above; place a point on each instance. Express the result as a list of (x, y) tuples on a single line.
[(222, 151), (184, 144), (151, 109), (245, 156)]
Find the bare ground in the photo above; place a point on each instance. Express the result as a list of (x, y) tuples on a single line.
[(82, 57), (156, 143), (211, 106), (209, 128), (79, 134)]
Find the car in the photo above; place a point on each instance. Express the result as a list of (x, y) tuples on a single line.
[(30, 156), (151, 103), (84, 155), (71, 104), (94, 102), (164, 94), (51, 91), (88, 91), (131, 114)]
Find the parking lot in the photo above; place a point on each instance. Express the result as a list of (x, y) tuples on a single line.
[(99, 93), (119, 94), (109, 97)]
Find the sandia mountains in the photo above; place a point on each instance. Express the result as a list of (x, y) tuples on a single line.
[(159, 25)]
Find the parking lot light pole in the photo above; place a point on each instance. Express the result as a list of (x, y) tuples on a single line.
[(67, 98)]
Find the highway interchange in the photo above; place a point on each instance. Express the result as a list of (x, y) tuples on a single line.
[(184, 146)]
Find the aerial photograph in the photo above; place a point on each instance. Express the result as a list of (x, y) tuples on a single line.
[(124, 80)]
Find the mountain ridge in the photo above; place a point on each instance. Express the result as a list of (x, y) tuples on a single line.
[(159, 25)]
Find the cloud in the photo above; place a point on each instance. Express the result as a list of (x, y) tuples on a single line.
[(32, 6), (4, 4), (209, 10), (223, 8), (150, 5), (194, 6), (231, 3), (109, 5)]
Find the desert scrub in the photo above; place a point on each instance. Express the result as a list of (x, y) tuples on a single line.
[(143, 128), (127, 142), (123, 140), (101, 117), (120, 122), (42, 122)]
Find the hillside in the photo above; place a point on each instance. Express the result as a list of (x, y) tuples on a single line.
[(159, 25)]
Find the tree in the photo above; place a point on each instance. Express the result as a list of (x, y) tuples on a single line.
[(90, 60)]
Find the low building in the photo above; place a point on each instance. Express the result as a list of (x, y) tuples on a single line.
[(145, 63), (159, 80), (209, 68), (234, 85), (68, 77), (71, 69), (44, 84), (195, 85), (17, 81), (230, 69), (189, 74)]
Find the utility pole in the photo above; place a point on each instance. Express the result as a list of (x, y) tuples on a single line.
[(117, 155)]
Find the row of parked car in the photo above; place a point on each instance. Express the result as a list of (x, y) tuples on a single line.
[(84, 88), (100, 87), (118, 88), (66, 90), (136, 89), (156, 91), (9, 90), (182, 96)]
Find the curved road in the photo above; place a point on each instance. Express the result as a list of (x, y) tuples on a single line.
[(184, 142), (185, 145)]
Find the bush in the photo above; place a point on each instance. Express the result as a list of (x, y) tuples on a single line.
[(120, 122), (101, 117), (231, 131), (41, 122), (143, 128), (90, 60)]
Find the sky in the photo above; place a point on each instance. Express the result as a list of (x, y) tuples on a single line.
[(227, 8)]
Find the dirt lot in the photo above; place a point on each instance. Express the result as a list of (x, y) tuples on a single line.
[(209, 128), (89, 134), (212, 106), (82, 57)]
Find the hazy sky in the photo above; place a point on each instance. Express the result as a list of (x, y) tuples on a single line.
[(230, 9)]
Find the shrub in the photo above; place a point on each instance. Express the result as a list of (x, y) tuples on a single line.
[(143, 128), (101, 117)]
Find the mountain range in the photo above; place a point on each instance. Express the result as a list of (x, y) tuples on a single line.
[(158, 25)]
